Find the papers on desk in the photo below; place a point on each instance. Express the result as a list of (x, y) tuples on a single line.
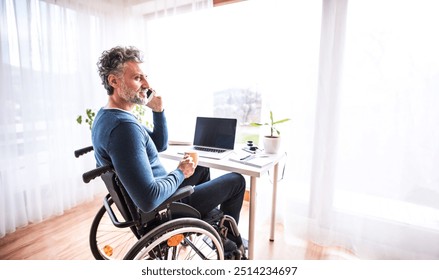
[(252, 159)]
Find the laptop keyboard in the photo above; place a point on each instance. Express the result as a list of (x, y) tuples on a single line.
[(212, 150)]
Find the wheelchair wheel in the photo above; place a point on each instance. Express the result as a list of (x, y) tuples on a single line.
[(108, 242), (180, 239)]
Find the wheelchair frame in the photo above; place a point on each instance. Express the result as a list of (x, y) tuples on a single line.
[(173, 230)]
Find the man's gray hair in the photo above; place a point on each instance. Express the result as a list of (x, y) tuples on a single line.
[(113, 62)]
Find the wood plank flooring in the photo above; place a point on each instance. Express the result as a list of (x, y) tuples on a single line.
[(66, 238), (59, 238)]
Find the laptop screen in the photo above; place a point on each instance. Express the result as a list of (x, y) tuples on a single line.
[(215, 132)]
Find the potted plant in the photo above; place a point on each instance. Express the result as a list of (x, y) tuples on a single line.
[(272, 141)]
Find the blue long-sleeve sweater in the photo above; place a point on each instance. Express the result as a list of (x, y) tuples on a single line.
[(118, 138)]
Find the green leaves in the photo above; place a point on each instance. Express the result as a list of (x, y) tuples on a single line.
[(281, 121), (139, 113), (258, 124), (272, 124), (89, 117)]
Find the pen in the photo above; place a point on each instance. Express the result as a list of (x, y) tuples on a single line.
[(246, 157)]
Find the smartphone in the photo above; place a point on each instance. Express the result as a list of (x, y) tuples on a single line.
[(248, 150), (149, 95)]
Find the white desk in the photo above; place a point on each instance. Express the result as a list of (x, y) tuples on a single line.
[(254, 173)]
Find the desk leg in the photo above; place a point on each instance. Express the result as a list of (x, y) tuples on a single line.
[(251, 224), (273, 201)]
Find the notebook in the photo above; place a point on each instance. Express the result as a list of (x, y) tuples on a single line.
[(214, 137), (253, 160)]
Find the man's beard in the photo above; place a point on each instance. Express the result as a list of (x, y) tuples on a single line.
[(133, 96)]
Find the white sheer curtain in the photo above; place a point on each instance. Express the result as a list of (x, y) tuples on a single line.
[(362, 80), (49, 51), (375, 188)]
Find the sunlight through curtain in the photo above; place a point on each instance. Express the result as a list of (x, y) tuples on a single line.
[(377, 190), (362, 146), (374, 188), (49, 51)]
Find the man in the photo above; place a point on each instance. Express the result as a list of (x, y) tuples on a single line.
[(118, 138)]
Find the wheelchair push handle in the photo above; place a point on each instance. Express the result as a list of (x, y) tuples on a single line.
[(83, 151), (90, 175)]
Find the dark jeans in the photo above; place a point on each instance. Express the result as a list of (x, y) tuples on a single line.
[(226, 191)]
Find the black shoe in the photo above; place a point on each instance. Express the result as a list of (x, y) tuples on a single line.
[(237, 239), (244, 248), (229, 247)]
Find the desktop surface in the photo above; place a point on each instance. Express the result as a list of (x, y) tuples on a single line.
[(229, 163)]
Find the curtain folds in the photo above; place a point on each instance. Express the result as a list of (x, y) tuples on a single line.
[(362, 143), (373, 188), (49, 51)]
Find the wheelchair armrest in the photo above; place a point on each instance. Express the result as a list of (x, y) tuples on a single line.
[(107, 204), (179, 194)]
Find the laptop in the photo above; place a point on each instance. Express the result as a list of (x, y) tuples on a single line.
[(214, 137)]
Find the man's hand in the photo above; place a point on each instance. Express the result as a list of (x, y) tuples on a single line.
[(156, 103), (187, 166)]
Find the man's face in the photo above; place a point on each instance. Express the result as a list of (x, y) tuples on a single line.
[(134, 84)]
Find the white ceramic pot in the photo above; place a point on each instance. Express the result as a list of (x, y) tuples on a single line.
[(271, 144)]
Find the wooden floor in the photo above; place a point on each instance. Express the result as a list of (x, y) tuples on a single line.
[(59, 238), (66, 238)]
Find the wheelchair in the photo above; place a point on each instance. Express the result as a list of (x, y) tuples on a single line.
[(172, 231)]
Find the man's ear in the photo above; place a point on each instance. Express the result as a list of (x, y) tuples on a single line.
[(113, 81)]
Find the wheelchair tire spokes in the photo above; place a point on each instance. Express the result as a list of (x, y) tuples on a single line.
[(191, 247), (195, 249), (108, 242)]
